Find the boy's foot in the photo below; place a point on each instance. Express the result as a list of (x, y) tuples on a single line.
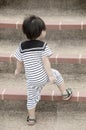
[(31, 122), (67, 94)]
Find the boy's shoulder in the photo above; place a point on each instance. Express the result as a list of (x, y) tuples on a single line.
[(33, 45)]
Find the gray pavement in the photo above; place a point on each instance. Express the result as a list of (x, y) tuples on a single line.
[(50, 116)]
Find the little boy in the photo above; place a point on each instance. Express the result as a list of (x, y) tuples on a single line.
[(34, 54)]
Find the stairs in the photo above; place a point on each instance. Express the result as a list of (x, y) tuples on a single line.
[(66, 35)]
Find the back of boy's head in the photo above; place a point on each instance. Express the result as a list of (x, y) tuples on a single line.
[(33, 26)]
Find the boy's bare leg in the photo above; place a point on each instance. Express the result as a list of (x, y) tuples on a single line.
[(66, 93), (62, 88), (31, 113), (31, 118)]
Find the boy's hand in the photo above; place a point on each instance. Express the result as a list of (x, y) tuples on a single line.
[(16, 73), (52, 79), (18, 68)]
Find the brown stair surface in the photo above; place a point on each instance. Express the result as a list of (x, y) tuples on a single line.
[(64, 50), (62, 47), (57, 25), (16, 90), (65, 14)]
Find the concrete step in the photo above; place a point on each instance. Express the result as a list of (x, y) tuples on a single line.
[(60, 48), (72, 36), (37, 4), (61, 11), (68, 116), (59, 22), (52, 25), (54, 59), (56, 9), (12, 90), (74, 64)]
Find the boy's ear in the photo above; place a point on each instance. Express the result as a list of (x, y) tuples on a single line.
[(43, 33)]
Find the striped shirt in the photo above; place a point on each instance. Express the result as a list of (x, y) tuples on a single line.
[(31, 53)]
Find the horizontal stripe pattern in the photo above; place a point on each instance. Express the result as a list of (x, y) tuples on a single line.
[(34, 69), (36, 75)]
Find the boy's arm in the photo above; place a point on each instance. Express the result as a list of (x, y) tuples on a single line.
[(47, 67), (19, 65)]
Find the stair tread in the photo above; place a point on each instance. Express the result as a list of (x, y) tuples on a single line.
[(63, 47), (15, 91), (8, 81), (14, 15)]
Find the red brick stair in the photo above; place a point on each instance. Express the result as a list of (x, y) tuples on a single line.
[(13, 94), (56, 58), (47, 94), (58, 26)]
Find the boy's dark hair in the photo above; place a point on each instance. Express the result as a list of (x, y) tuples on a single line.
[(33, 26)]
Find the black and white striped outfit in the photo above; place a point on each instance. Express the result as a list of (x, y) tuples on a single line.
[(31, 53)]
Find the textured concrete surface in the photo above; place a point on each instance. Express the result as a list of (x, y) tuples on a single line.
[(52, 16), (60, 47), (50, 116), (61, 42), (64, 4), (65, 10), (75, 81)]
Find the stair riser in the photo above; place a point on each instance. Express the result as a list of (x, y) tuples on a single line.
[(42, 106), (6, 67)]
